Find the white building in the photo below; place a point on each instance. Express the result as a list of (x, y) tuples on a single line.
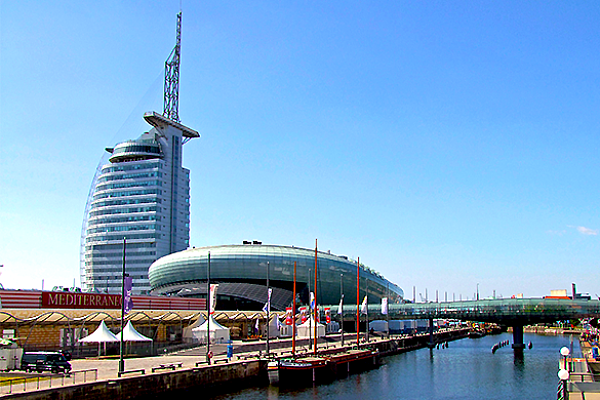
[(142, 195)]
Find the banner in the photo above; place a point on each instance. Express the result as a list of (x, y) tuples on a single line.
[(289, 320), (213, 297), (328, 315), (128, 287), (267, 307), (363, 306), (341, 306), (384, 305), (312, 301)]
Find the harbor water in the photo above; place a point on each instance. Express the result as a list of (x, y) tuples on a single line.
[(467, 369)]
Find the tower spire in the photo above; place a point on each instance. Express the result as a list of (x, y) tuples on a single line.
[(171, 92)]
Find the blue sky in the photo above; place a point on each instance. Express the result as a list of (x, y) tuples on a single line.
[(447, 144)]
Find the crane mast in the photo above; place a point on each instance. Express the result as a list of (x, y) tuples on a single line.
[(171, 92)]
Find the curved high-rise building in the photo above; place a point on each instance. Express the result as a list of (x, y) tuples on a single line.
[(142, 195)]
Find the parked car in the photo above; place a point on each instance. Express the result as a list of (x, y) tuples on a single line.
[(45, 361)]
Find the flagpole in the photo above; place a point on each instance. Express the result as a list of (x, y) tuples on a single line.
[(315, 310), (268, 307), (121, 360), (208, 297), (357, 302), (294, 315)]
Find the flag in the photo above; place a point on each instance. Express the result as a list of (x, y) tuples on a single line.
[(213, 297), (312, 301), (341, 306), (256, 326), (267, 306), (327, 315), (128, 287), (289, 320), (384, 305), (363, 306), (278, 323)]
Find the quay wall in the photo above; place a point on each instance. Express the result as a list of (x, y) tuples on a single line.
[(216, 378)]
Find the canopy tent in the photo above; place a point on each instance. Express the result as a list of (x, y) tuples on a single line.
[(274, 326), (307, 329), (218, 333), (188, 335), (100, 335), (131, 335)]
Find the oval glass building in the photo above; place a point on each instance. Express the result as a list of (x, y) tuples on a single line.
[(241, 272)]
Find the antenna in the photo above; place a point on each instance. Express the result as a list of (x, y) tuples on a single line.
[(171, 94)]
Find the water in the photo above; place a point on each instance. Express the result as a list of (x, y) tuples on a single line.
[(465, 370)]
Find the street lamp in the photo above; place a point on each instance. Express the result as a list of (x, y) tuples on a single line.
[(563, 375), (565, 353)]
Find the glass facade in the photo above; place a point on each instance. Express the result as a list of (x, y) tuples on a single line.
[(241, 270), (137, 196)]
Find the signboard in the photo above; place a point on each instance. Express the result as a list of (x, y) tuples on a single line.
[(80, 300)]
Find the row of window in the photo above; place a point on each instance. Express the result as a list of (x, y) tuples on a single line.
[(151, 174), (116, 262), (101, 247), (108, 186), (100, 253), (123, 211), (137, 148), (120, 237), (124, 228), (116, 220), (127, 193), (129, 167), (123, 202)]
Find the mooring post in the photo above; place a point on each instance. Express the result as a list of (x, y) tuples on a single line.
[(431, 338), (518, 337)]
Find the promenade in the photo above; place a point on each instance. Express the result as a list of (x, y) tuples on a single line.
[(247, 355)]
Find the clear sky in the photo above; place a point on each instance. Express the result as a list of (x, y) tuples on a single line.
[(446, 144)]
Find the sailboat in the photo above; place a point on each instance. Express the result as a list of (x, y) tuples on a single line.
[(298, 371)]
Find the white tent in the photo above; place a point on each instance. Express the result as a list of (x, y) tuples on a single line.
[(188, 334), (131, 335), (307, 329), (218, 333), (274, 327), (100, 335)]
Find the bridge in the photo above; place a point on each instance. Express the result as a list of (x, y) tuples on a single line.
[(515, 313)]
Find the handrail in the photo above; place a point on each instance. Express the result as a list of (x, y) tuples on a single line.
[(50, 379)]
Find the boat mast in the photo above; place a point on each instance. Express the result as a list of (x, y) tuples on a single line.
[(358, 302), (315, 310), (294, 315)]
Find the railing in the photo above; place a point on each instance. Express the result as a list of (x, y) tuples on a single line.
[(29, 383), (489, 309)]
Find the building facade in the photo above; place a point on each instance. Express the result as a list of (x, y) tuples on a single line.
[(241, 272), (141, 196)]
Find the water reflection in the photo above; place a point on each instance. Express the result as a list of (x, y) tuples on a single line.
[(467, 369)]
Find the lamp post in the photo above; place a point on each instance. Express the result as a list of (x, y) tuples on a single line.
[(563, 375), (208, 297), (121, 360), (565, 353)]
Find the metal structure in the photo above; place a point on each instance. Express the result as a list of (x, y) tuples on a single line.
[(171, 91)]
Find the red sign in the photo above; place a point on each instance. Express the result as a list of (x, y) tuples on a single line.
[(302, 315), (288, 316), (80, 300)]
